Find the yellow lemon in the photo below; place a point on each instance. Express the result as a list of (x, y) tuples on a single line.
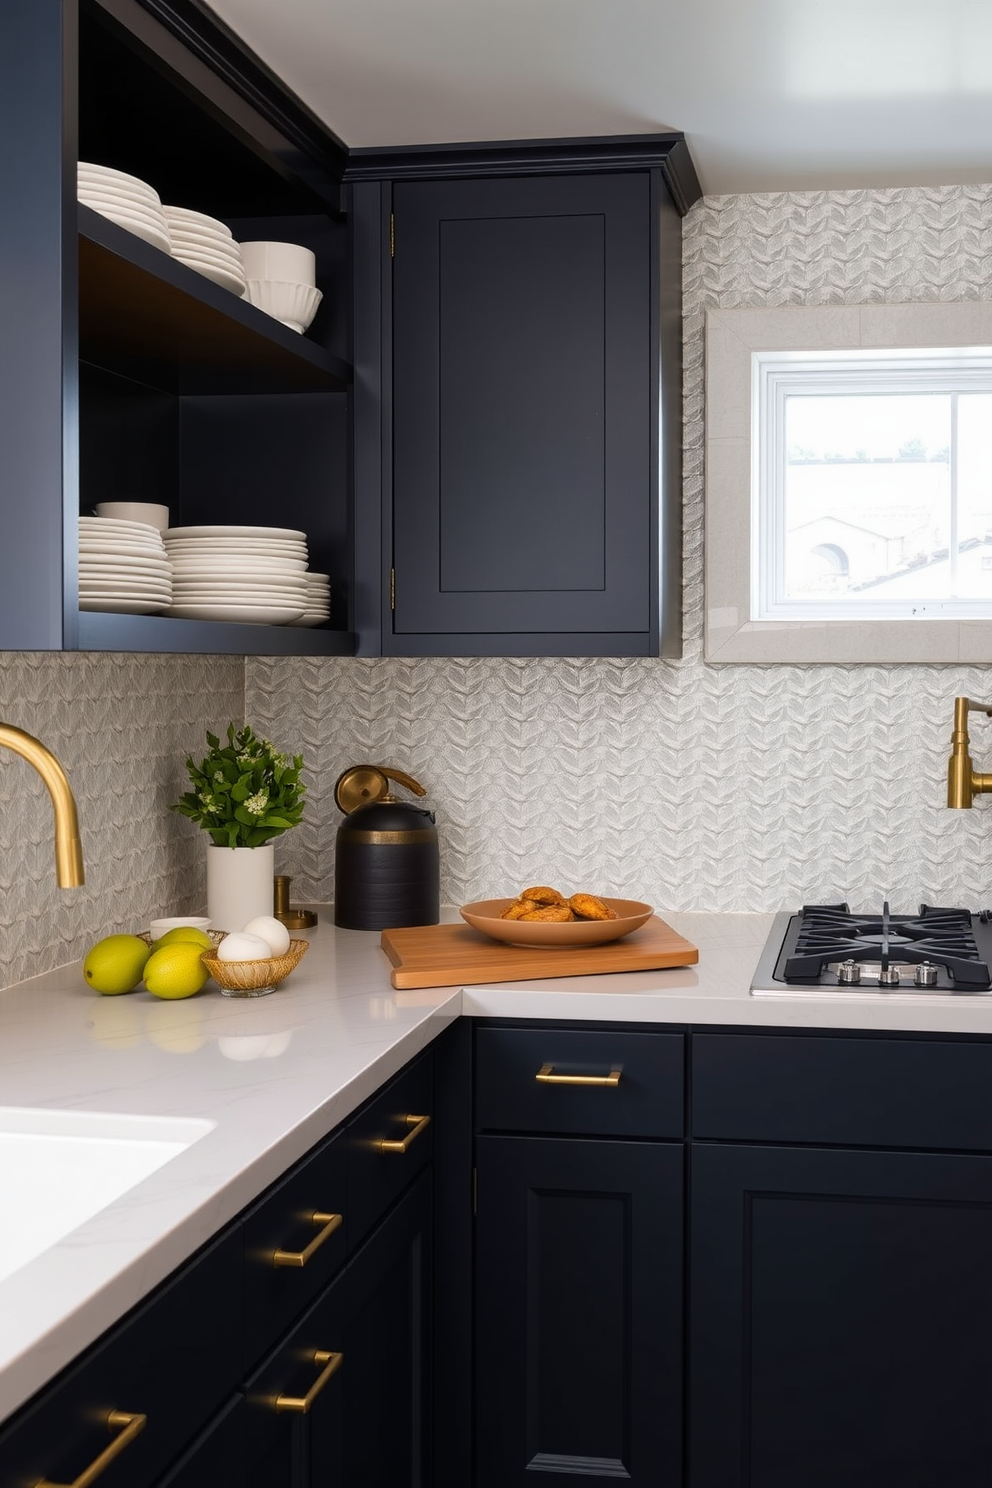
[(116, 963), (176, 970), (184, 933)]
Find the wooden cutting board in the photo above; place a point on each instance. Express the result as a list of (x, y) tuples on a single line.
[(458, 956)]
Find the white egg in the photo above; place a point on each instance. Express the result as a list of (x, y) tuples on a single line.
[(272, 931), (241, 947)]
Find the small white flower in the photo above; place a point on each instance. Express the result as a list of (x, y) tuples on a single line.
[(256, 804)]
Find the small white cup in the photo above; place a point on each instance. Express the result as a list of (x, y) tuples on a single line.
[(135, 511), (196, 922), (284, 261)]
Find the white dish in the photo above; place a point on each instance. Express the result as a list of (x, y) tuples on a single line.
[(287, 583), (138, 568), (310, 618), (286, 533), (292, 304), (122, 549), (119, 606), (291, 262), (135, 209), (236, 563), (128, 201), (207, 547), (150, 233), (239, 613), (154, 583), (141, 513), (211, 242), (283, 598), (114, 524), (224, 277), (209, 251), (87, 170), (193, 219)]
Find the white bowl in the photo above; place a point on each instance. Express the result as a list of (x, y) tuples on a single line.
[(147, 512), (159, 927), (283, 261), (292, 303)]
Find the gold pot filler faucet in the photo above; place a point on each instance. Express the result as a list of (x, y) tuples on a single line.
[(963, 782), (68, 848)]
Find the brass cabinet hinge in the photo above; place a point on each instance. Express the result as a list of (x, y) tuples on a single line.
[(392, 589), (392, 236)]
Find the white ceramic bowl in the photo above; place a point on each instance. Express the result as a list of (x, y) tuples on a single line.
[(283, 261), (159, 927), (147, 512), (292, 303)]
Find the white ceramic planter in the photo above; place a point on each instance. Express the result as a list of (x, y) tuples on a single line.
[(239, 884)]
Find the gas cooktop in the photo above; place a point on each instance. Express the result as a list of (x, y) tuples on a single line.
[(825, 948)]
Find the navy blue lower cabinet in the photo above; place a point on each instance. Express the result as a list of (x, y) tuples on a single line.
[(343, 1401), (578, 1312), (840, 1317)]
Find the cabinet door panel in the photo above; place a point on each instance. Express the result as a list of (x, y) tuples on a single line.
[(841, 1305), (579, 1311), (522, 482)]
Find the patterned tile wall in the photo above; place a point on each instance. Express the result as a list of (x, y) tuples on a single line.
[(122, 727), (692, 786)]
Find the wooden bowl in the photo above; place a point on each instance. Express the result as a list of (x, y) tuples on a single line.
[(254, 978), (485, 914)]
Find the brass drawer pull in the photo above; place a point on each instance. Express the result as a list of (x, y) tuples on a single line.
[(132, 1425), (330, 1222), (417, 1123), (546, 1076), (302, 1403)]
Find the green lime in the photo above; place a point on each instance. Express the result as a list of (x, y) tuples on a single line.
[(176, 970), (182, 933), (116, 963)]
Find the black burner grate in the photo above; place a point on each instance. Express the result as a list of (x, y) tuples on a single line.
[(831, 933)]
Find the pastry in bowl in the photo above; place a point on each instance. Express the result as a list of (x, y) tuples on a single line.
[(535, 926)]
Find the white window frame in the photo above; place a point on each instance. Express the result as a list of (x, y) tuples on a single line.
[(733, 340)]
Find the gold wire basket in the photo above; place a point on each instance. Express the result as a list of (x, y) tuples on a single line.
[(254, 978)]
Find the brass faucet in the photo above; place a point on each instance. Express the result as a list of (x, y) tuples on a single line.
[(68, 848), (963, 782)]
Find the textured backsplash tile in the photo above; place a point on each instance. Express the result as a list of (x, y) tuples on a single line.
[(697, 787), (121, 726)]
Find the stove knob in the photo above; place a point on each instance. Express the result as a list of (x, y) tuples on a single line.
[(888, 976), (848, 973), (926, 974)]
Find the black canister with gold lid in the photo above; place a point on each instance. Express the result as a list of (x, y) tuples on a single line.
[(386, 860)]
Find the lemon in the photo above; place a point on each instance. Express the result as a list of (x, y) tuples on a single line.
[(116, 963), (184, 933), (175, 970)]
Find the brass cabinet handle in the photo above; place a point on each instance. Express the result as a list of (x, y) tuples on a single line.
[(132, 1424), (546, 1076), (330, 1222), (302, 1403), (417, 1123)]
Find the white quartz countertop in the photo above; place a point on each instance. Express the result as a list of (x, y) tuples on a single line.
[(259, 1081)]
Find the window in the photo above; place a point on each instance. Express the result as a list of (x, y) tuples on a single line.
[(849, 483)]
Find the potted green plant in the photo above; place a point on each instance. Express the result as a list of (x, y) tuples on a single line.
[(243, 795)]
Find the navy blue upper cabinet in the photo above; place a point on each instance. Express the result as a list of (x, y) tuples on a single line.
[(125, 374), (527, 325)]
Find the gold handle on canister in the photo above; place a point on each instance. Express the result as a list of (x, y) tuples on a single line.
[(301, 1403), (418, 1123), (546, 1076), (330, 1222), (132, 1424)]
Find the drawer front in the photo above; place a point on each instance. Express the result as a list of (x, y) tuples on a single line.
[(174, 1362), (865, 1092), (588, 1082), (389, 1143), (296, 1239)]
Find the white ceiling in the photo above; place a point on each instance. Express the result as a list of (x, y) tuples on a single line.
[(771, 94)]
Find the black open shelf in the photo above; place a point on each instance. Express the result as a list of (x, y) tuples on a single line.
[(162, 633), (148, 316)]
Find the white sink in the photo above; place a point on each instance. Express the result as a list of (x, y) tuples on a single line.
[(60, 1168)]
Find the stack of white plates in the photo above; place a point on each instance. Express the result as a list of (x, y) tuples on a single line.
[(126, 200), (206, 245), (244, 574), (123, 567), (318, 600)]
